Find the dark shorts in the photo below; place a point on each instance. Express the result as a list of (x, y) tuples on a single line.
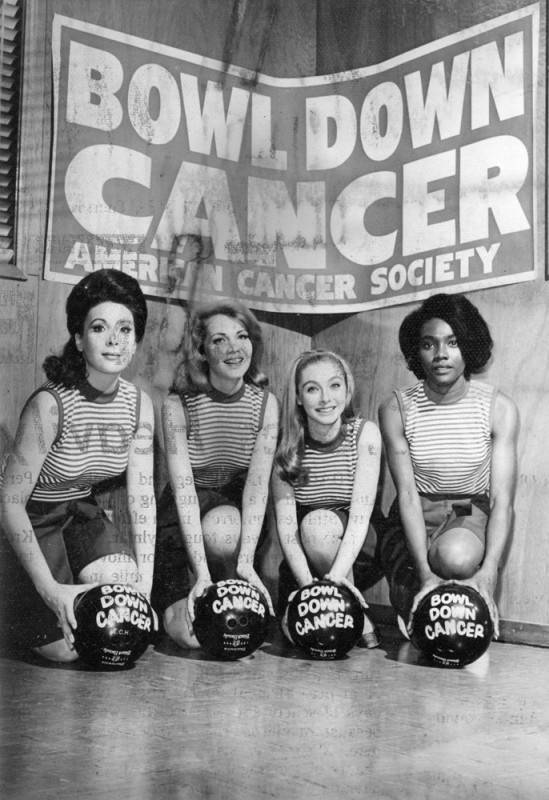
[(71, 535), (342, 512), (366, 571), (442, 514), (171, 565)]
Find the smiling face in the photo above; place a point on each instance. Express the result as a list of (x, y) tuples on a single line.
[(440, 356), (322, 393), (228, 351), (107, 343)]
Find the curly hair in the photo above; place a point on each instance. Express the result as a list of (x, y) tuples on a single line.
[(470, 329), (192, 375), (293, 421), (69, 368)]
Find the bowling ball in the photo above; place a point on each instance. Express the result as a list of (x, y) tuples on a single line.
[(324, 619), (231, 619), (114, 625), (452, 625)]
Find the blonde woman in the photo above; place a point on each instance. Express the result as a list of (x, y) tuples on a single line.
[(220, 427), (325, 477)]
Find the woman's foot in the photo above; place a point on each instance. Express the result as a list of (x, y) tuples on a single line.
[(369, 637)]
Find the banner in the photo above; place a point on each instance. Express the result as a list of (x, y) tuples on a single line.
[(326, 194)]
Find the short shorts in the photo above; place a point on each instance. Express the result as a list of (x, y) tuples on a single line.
[(366, 571), (442, 513), (71, 535), (342, 512), (171, 566)]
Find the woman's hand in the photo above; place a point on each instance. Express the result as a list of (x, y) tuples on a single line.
[(248, 573), (429, 583), (357, 594), (145, 589), (485, 584), (142, 586), (197, 590), (60, 598)]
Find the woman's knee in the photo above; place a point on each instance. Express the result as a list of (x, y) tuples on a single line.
[(321, 533), (114, 568), (57, 651), (456, 555), (221, 529)]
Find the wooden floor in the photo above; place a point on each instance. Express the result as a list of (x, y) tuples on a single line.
[(379, 724)]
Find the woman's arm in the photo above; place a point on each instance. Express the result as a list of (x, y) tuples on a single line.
[(402, 472), (35, 435), (141, 498), (255, 494), (180, 473), (288, 532), (362, 502), (503, 476)]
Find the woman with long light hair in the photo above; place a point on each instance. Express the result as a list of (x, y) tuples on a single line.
[(325, 477)]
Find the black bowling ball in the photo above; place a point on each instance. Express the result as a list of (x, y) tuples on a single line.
[(452, 625), (231, 619), (114, 626), (324, 619)]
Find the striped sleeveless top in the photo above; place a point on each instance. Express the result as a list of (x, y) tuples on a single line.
[(222, 431), (450, 445), (330, 469), (92, 442)]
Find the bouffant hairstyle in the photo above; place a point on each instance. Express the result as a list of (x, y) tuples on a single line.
[(101, 286), (470, 329), (192, 375)]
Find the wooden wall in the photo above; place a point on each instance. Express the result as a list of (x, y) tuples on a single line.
[(286, 38), (349, 35)]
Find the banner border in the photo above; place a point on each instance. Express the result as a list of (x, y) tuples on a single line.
[(61, 21)]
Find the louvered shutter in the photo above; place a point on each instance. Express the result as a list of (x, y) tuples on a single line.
[(10, 66)]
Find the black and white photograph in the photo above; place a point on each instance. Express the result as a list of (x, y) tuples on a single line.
[(274, 312)]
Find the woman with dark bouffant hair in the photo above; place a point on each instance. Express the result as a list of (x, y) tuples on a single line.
[(451, 447), (220, 427), (85, 426)]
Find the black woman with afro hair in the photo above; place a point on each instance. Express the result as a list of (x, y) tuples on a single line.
[(450, 442)]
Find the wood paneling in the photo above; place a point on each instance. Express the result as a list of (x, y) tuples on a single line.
[(18, 302), (271, 36)]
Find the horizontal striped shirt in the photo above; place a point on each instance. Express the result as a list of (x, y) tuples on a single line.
[(92, 442), (222, 431), (450, 444), (330, 469)]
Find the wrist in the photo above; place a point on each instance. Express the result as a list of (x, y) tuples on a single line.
[(305, 580), (425, 573), (46, 588), (336, 575), (488, 570)]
